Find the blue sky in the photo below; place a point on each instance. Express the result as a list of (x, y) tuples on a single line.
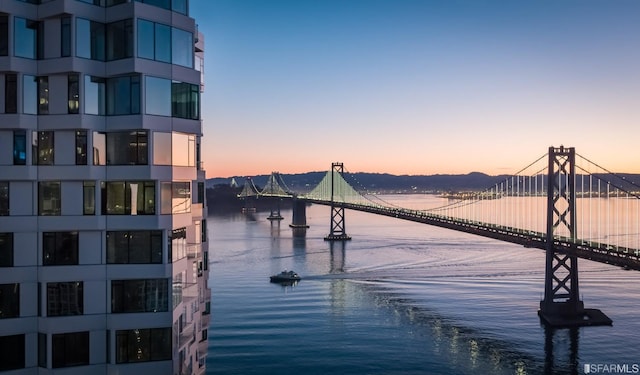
[(417, 87)]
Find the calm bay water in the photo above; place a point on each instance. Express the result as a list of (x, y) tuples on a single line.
[(400, 298)]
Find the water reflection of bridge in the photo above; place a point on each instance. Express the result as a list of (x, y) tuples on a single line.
[(562, 203)]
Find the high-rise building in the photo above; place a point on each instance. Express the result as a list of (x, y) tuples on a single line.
[(103, 235)]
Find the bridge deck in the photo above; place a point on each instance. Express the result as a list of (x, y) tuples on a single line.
[(599, 252)]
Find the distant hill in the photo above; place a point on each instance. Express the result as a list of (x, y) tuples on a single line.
[(388, 183), (379, 182)]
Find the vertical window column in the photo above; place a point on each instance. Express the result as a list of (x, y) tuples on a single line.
[(73, 93), (81, 147), (4, 198), (10, 93)]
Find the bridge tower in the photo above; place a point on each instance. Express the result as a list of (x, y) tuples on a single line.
[(337, 228), (561, 306)]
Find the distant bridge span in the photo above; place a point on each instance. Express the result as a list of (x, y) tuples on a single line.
[(536, 207)]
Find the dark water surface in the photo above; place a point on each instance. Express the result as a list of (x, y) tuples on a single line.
[(400, 298)]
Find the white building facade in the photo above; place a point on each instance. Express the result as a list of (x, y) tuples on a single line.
[(103, 235)]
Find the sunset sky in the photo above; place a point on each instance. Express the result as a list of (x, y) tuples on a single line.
[(417, 86)]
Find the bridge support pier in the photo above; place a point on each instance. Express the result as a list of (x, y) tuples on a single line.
[(561, 306), (275, 212), (337, 230), (299, 220)]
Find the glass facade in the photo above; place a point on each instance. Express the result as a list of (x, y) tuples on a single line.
[(181, 47), (29, 94), (70, 349), (19, 147), (135, 296), (4, 35), (127, 148), (6, 249), (89, 198), (9, 301), (94, 95), (4, 198), (81, 147), (27, 38), (134, 247), (73, 93), (45, 148), (12, 353), (49, 198), (65, 298), (123, 95), (175, 197), (120, 40), (128, 198), (142, 345), (96, 62), (90, 39), (10, 93), (59, 248), (65, 36)]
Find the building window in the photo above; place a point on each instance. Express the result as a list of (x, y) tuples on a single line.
[(134, 247), (161, 143), (182, 47), (129, 198), (185, 100), (142, 345), (154, 41), (165, 4), (4, 198), (177, 248), (44, 146), (200, 196), (134, 296), (89, 198), (127, 148), (179, 6), (99, 148), (175, 197), (12, 353), (65, 298), (19, 147), (123, 95), (9, 301), (183, 150), (6, 249), (49, 198), (4, 35), (90, 39), (65, 36), (94, 95), (70, 349), (203, 233), (29, 94), (10, 93), (43, 95), (157, 96), (27, 38), (42, 350), (73, 93), (120, 40), (59, 248), (81, 147)]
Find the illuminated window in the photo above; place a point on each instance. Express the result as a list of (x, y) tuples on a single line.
[(142, 345)]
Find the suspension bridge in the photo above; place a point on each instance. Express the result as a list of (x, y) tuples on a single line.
[(562, 203)]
